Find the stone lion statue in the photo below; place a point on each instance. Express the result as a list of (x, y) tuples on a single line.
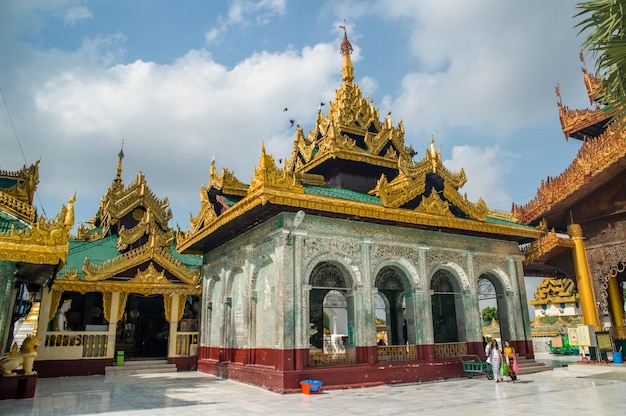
[(24, 358)]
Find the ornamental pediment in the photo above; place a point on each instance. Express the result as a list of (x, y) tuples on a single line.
[(135, 258)]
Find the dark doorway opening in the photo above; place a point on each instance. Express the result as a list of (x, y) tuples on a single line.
[(143, 332)]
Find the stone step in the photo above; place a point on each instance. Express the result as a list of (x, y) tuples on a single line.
[(530, 366), (140, 367)]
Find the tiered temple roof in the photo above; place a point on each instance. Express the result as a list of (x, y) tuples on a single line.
[(556, 291), (351, 165), (127, 246)]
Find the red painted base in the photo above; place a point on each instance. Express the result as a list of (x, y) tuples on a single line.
[(20, 386), (282, 379), (61, 368), (184, 363)]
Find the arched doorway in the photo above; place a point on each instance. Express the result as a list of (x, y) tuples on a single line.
[(493, 306), (331, 316), (447, 310), (392, 291)]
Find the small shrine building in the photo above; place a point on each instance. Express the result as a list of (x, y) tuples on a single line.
[(123, 290), (584, 208), (556, 297), (305, 266)]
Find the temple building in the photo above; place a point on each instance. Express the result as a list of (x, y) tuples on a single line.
[(556, 297), (557, 307), (352, 264), (123, 290), (32, 248), (584, 208)]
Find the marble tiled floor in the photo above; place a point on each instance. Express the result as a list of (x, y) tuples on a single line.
[(576, 390)]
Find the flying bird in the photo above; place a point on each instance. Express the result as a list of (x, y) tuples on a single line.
[(322, 104), (292, 122), (285, 109)]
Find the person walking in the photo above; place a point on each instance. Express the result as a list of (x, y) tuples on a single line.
[(510, 359), (494, 357)]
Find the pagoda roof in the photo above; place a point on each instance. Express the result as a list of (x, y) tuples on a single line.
[(351, 166), (135, 202), (555, 290), (586, 123), (128, 246), (598, 161), (101, 259)]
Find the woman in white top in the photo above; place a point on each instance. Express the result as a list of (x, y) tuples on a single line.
[(495, 357)]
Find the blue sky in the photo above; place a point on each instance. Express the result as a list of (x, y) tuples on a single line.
[(183, 82)]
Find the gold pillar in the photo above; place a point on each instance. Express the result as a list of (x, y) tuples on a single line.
[(615, 303), (583, 276)]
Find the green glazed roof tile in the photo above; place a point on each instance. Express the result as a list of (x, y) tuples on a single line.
[(340, 193)]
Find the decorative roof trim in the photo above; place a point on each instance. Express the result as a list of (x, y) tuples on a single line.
[(348, 208)]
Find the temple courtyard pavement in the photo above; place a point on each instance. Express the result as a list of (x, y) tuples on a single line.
[(578, 389)]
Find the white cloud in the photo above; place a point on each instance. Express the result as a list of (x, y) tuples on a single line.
[(245, 12), (487, 66), (74, 14), (485, 168), (173, 119)]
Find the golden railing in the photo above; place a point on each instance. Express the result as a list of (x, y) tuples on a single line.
[(187, 343), (397, 353), (450, 349), (317, 358), (94, 343)]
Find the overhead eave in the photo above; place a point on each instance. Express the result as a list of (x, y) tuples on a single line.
[(267, 202)]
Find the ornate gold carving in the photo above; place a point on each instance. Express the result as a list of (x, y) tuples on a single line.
[(107, 300), (54, 304), (133, 258), (167, 301), (555, 290), (592, 83), (226, 182), (185, 241), (477, 211), (147, 282), (268, 175), (122, 305), (573, 121), (434, 205), (544, 245), (150, 276), (147, 226), (618, 332), (593, 157), (401, 190), (206, 213), (120, 201), (539, 326), (15, 207), (45, 242), (26, 180)]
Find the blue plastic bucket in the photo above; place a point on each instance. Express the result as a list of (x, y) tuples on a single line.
[(311, 386), (617, 357)]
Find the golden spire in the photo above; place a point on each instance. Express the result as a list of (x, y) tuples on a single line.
[(118, 176), (347, 70)]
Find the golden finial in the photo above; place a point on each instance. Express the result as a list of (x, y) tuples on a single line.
[(347, 69), (118, 176)]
